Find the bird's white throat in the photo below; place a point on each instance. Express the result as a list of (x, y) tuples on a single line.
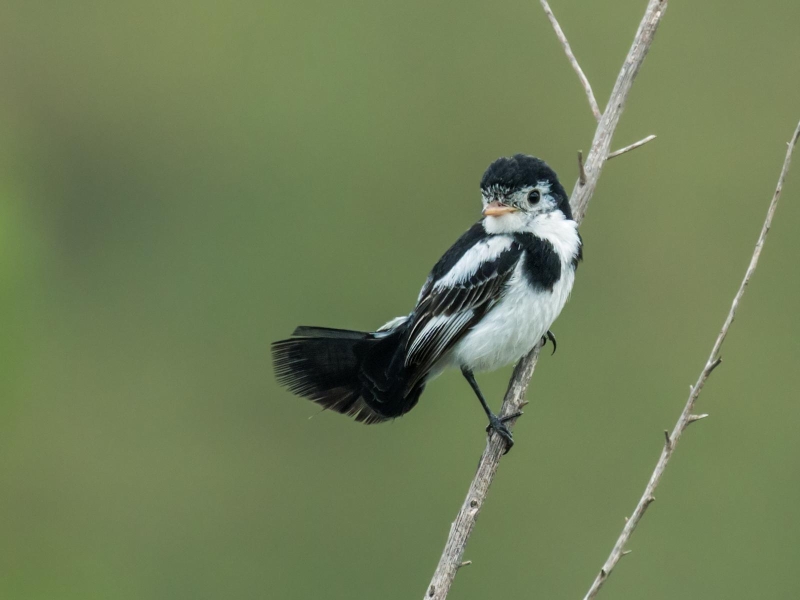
[(553, 227)]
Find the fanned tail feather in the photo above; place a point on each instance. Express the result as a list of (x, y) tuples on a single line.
[(350, 372)]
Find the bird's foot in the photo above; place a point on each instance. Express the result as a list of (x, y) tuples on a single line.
[(549, 336), (498, 424)]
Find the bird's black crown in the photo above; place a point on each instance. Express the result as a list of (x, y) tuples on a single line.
[(513, 173)]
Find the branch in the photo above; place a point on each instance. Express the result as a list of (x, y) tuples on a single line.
[(464, 523), (633, 146), (616, 104), (686, 416), (572, 60)]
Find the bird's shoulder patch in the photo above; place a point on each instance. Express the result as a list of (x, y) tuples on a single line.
[(541, 264)]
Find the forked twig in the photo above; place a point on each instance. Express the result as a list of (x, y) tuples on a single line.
[(464, 523)]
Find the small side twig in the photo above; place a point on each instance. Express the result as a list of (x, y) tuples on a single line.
[(572, 60), (581, 170), (633, 146), (686, 416), (693, 418)]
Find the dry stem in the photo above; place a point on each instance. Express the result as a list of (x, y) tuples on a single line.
[(572, 60), (686, 416)]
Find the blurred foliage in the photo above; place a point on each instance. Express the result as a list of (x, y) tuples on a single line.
[(184, 182)]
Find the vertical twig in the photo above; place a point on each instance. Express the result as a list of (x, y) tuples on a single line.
[(464, 523), (687, 417)]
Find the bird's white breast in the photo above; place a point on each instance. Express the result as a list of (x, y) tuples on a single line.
[(524, 314), (515, 325)]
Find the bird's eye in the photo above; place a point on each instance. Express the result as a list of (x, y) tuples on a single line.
[(533, 197)]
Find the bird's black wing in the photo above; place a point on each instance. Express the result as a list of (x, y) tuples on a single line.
[(458, 294)]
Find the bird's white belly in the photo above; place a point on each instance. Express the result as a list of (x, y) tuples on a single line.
[(515, 325)]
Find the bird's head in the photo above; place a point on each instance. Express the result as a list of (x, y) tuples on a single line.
[(520, 191)]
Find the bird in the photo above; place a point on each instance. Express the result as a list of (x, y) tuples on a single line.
[(486, 303)]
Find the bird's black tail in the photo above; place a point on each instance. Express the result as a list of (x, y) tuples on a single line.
[(355, 373)]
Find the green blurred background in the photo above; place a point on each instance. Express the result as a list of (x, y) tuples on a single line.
[(184, 182)]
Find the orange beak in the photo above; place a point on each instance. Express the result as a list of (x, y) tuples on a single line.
[(497, 209)]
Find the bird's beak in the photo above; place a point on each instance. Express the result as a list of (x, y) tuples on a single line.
[(497, 209)]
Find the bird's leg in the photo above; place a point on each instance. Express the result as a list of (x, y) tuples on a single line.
[(495, 422), (549, 336)]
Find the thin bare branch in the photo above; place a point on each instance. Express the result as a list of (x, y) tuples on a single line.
[(601, 144), (464, 523), (686, 416), (633, 146), (572, 60)]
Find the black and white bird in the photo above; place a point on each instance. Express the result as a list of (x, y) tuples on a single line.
[(487, 302)]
